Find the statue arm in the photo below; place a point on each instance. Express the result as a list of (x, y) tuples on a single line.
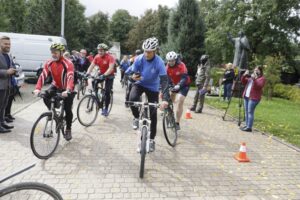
[(229, 37)]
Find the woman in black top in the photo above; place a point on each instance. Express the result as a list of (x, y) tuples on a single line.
[(228, 81)]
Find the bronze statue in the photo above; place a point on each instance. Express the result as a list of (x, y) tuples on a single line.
[(242, 47)]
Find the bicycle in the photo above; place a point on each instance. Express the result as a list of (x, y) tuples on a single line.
[(144, 129), (82, 83), (28, 190), (89, 105), (45, 133)]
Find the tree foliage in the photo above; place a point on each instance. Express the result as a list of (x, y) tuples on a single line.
[(186, 33), (97, 30), (153, 23), (271, 26), (121, 23)]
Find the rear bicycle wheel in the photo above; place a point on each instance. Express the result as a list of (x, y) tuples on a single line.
[(83, 88), (79, 88), (169, 127), (44, 139), (87, 110), (29, 190), (143, 150), (111, 101)]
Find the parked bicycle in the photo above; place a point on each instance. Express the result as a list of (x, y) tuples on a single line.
[(45, 133), (89, 105), (144, 129), (28, 190), (81, 83)]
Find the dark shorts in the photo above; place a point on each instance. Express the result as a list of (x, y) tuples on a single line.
[(184, 90)]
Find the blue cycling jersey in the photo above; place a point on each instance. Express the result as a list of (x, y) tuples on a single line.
[(150, 71), (124, 65)]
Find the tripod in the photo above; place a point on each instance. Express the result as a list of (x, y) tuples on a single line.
[(239, 93)]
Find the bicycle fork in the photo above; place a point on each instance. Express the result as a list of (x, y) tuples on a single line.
[(144, 123)]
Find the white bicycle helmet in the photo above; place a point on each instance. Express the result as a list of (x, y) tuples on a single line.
[(171, 56), (102, 46), (150, 44)]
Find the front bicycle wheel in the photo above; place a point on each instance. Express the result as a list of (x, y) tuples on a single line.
[(143, 150), (29, 190), (87, 110), (169, 127), (44, 137)]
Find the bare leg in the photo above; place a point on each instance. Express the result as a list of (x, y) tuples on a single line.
[(179, 109)]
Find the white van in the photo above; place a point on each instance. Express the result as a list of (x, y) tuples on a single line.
[(31, 51)]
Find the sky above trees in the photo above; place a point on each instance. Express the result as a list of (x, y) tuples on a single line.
[(134, 7)]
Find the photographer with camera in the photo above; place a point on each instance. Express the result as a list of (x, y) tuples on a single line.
[(254, 84), (7, 70)]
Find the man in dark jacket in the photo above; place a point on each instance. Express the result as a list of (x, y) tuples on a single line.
[(202, 80), (6, 72)]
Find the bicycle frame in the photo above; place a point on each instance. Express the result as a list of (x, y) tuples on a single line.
[(16, 173)]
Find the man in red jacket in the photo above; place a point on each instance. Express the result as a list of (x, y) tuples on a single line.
[(62, 72), (252, 94)]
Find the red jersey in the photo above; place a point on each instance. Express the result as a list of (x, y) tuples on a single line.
[(175, 73), (62, 72), (104, 62), (90, 58)]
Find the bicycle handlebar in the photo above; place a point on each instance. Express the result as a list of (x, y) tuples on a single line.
[(138, 103)]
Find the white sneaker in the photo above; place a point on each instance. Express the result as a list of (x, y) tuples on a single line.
[(135, 124), (138, 149), (152, 145)]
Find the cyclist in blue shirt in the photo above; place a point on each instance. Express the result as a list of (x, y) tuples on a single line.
[(124, 66), (149, 72)]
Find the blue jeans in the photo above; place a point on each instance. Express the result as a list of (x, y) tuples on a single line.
[(250, 106), (227, 91)]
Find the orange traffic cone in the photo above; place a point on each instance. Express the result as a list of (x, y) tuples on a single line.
[(188, 114), (241, 156)]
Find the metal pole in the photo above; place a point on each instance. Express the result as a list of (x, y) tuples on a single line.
[(62, 18)]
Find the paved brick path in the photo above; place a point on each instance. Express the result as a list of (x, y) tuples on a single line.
[(101, 162)]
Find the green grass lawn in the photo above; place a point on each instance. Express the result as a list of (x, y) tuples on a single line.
[(278, 117)]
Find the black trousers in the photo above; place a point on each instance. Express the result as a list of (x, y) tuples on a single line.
[(4, 95), (135, 94), (9, 104), (68, 103), (108, 87)]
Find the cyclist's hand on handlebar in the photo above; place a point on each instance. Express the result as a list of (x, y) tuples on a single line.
[(176, 88), (36, 92), (163, 105), (65, 94), (102, 77), (136, 77)]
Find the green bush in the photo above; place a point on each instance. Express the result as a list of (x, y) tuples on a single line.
[(287, 92), (216, 73)]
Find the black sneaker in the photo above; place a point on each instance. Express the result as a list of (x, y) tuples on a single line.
[(68, 134), (177, 126), (135, 124), (247, 129), (4, 130), (198, 111), (192, 108), (8, 120), (6, 126), (10, 117)]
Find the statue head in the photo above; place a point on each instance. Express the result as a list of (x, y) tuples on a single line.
[(203, 59), (241, 33)]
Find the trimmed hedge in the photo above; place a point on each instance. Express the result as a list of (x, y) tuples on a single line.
[(287, 92)]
